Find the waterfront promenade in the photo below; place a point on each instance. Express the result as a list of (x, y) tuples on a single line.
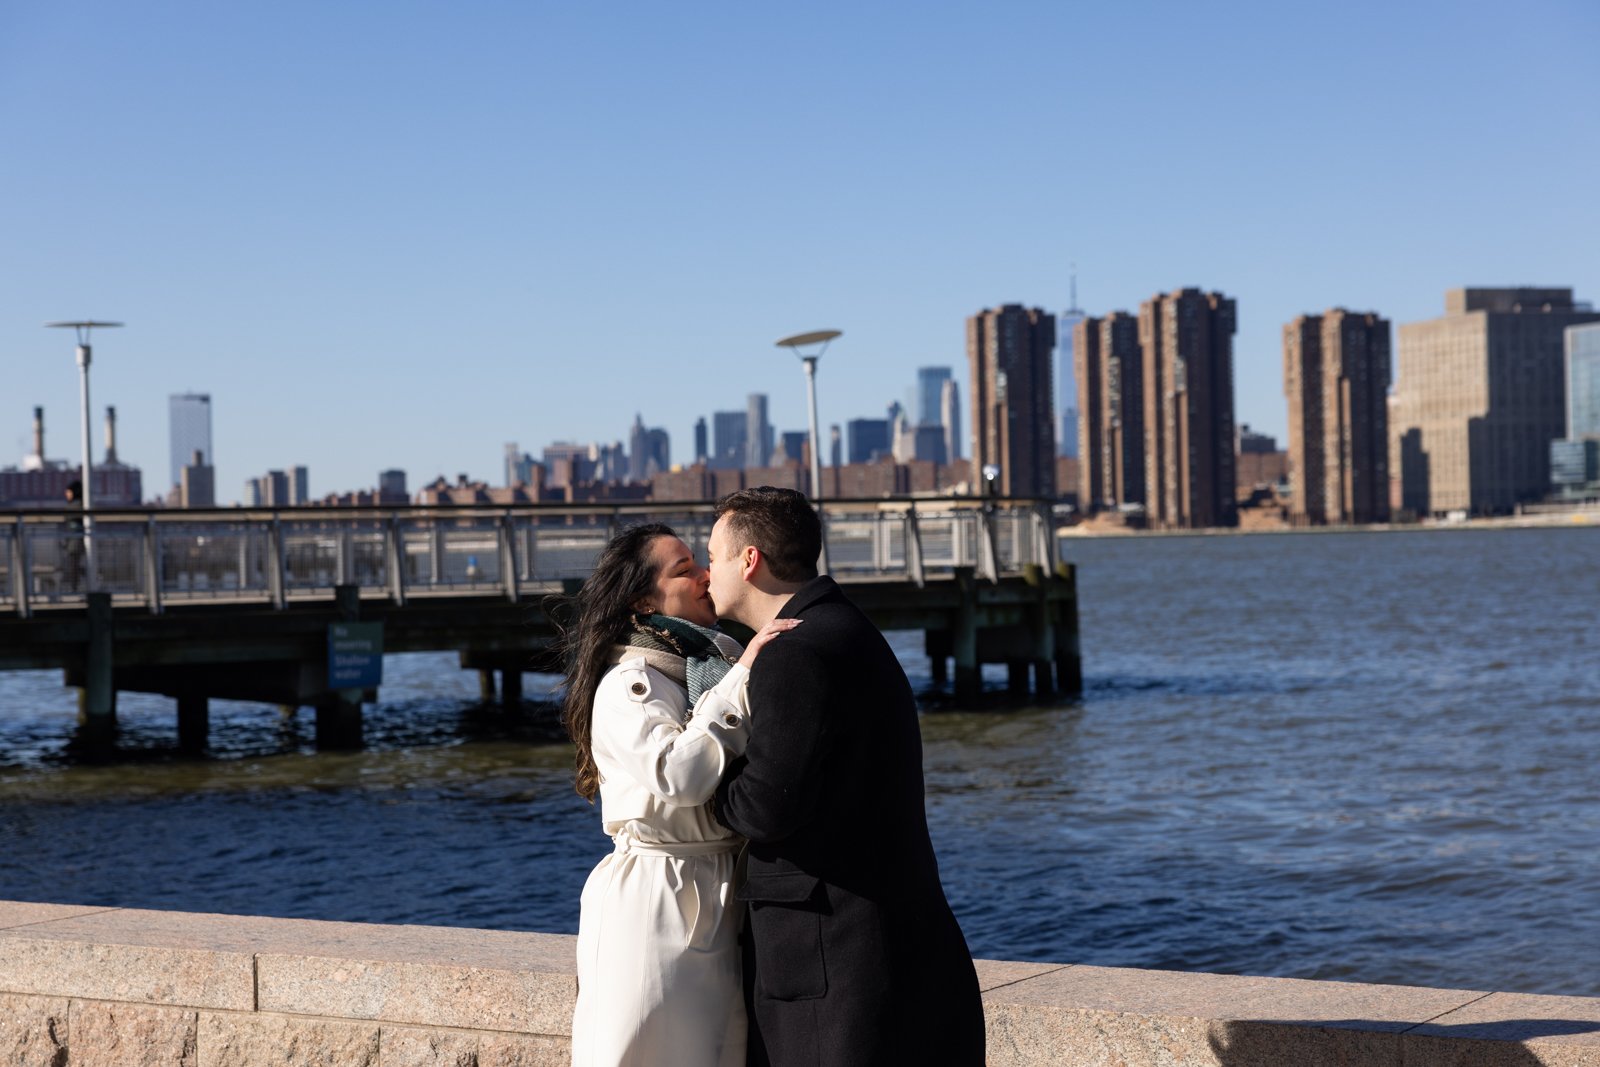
[(112, 986)]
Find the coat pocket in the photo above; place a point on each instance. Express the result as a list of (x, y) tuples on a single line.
[(786, 912)]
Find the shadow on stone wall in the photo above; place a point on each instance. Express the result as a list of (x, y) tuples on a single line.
[(1346, 1041)]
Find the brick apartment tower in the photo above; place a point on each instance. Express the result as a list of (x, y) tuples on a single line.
[(1109, 370), (1478, 397), (1187, 342), (1336, 377), (1009, 351)]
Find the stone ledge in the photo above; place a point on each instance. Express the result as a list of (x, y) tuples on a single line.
[(242, 990)]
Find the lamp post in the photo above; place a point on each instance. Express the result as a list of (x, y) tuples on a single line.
[(82, 327), (818, 341)]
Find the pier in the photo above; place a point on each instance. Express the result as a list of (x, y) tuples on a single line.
[(297, 607)]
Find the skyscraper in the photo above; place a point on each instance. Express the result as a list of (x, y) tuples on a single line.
[(758, 432), (1109, 367), (795, 446), (1186, 342), (1479, 397), (638, 450), (930, 395), (950, 419), (1009, 350), (197, 487), (188, 430), (1583, 382), (1070, 401), (1336, 376), (392, 487), (867, 439), (299, 486), (728, 439), (700, 443), (519, 466)]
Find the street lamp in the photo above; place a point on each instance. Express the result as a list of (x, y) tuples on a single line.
[(817, 341), (83, 327)]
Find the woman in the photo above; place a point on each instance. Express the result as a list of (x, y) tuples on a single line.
[(656, 706)]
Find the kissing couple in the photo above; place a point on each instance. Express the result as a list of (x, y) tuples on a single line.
[(773, 896)]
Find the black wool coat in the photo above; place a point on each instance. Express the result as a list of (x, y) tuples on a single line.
[(852, 955)]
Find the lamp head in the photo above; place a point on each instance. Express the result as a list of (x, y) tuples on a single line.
[(801, 341)]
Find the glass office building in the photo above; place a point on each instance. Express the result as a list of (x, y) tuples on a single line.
[(189, 430)]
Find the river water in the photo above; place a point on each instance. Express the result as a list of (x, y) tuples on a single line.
[(1360, 756)]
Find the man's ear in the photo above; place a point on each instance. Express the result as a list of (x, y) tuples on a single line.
[(749, 561)]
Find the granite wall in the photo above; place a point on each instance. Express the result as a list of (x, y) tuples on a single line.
[(115, 987)]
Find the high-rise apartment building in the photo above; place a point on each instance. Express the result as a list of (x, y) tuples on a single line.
[(1009, 351), (1109, 369), (1186, 342), (188, 430), (1336, 377), (1478, 397)]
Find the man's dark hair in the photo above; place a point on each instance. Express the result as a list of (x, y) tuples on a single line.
[(781, 523)]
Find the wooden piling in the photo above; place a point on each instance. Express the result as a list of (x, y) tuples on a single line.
[(194, 722), (1069, 663), (511, 689)]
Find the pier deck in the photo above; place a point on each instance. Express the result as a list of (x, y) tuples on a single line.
[(254, 605)]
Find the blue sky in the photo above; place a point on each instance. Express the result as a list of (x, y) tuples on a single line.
[(404, 234)]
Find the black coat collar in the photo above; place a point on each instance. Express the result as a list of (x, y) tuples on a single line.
[(819, 588)]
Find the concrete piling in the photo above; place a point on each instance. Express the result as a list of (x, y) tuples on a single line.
[(97, 696)]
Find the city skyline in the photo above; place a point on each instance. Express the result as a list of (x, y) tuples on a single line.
[(403, 242)]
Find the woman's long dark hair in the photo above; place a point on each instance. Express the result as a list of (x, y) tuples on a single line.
[(602, 617)]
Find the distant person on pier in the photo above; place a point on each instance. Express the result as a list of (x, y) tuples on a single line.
[(72, 539), (852, 955), (657, 707)]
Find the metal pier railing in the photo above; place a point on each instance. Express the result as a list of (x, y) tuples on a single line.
[(155, 559)]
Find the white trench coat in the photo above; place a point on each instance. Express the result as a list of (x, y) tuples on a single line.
[(658, 934)]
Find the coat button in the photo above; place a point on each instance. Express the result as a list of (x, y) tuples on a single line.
[(638, 689), (731, 720)]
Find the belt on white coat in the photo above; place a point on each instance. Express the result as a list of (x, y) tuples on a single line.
[(627, 843)]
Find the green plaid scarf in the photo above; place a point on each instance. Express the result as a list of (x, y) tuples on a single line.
[(707, 654)]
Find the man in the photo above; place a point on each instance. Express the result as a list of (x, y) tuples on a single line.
[(72, 538), (852, 955)]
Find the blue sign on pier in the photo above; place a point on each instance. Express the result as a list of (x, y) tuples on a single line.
[(355, 655)]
